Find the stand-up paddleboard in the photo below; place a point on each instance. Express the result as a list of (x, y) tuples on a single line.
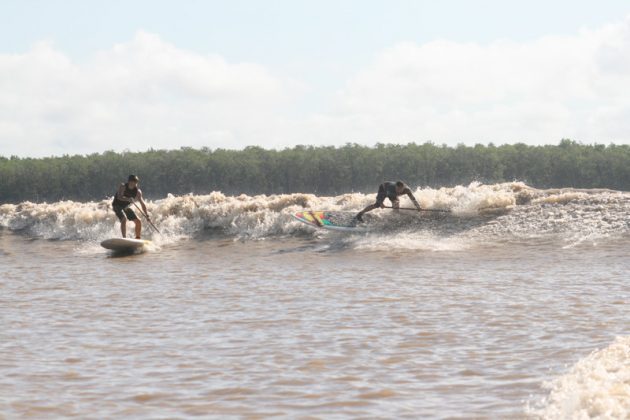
[(124, 244), (331, 220)]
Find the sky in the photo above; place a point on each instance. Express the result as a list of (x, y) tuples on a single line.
[(83, 76)]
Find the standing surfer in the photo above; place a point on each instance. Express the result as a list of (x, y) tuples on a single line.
[(391, 190), (128, 193)]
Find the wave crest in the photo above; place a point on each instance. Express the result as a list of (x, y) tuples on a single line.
[(478, 213), (597, 386)]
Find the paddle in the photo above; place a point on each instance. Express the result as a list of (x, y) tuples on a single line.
[(146, 217), (415, 209)]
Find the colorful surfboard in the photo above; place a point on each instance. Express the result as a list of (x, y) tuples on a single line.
[(331, 220)]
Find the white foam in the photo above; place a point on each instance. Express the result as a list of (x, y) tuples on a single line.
[(412, 241), (573, 216), (470, 199), (596, 387)]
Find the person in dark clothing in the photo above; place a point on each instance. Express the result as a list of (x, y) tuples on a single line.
[(127, 194), (391, 190)]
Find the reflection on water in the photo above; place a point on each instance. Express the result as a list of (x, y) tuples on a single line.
[(307, 327)]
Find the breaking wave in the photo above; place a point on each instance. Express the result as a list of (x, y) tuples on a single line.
[(478, 214), (597, 386)]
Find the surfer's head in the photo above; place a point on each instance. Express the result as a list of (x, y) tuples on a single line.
[(133, 180)]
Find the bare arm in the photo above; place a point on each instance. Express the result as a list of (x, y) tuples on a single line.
[(413, 199), (141, 200)]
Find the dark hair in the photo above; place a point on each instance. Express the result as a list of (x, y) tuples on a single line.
[(133, 178), (400, 184)]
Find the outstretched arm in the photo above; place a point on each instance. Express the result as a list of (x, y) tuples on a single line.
[(413, 199)]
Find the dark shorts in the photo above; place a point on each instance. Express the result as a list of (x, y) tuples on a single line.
[(382, 195), (124, 212)]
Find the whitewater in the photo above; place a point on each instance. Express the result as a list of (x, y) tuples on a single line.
[(515, 303)]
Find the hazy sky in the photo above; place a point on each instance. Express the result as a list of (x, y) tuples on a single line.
[(88, 76)]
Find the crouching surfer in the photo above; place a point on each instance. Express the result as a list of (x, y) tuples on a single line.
[(391, 190), (128, 193)]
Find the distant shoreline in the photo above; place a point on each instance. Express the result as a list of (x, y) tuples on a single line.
[(324, 170)]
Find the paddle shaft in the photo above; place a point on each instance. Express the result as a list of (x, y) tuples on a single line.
[(146, 217), (415, 209)]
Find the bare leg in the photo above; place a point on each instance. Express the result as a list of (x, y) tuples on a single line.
[(365, 210), (138, 223), (396, 205), (123, 227)]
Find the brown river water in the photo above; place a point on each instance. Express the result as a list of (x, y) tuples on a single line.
[(239, 311)]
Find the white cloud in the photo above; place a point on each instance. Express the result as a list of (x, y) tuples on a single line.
[(535, 92), (141, 94), (149, 93)]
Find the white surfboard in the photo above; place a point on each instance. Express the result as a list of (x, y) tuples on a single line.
[(124, 244)]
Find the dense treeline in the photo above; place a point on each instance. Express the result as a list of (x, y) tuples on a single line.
[(321, 170)]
